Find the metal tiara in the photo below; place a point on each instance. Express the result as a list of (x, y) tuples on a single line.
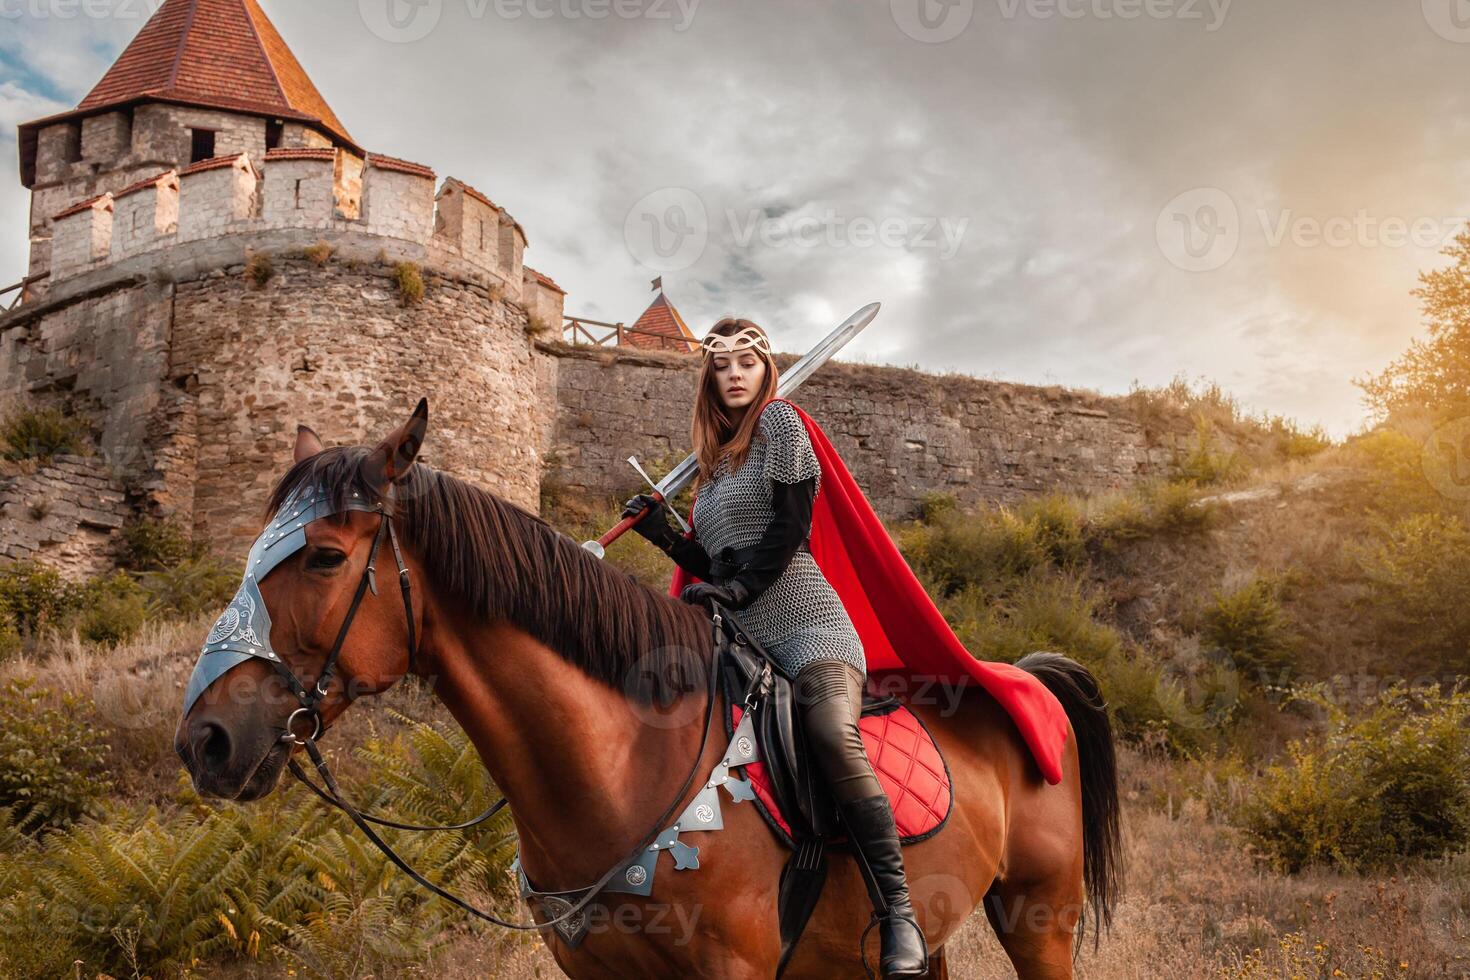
[(747, 338)]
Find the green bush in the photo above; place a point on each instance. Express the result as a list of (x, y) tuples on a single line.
[(1368, 794), (1390, 466), (1420, 577), (33, 597), (51, 761), (1294, 442), (259, 269), (320, 253), (937, 505), (1050, 611), (1156, 508), (992, 548), (150, 544), (410, 282), (285, 880), (1250, 626), (1204, 465), (191, 587), (110, 608), (42, 433)]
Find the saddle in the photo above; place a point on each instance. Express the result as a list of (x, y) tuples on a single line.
[(791, 792), (792, 795)]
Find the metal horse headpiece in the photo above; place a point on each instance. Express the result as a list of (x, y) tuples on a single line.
[(244, 630)]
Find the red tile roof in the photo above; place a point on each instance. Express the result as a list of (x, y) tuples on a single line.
[(472, 192), (222, 54), (543, 279), (211, 164), (304, 153), (215, 54), (662, 318), (81, 206), (143, 185), (402, 166)]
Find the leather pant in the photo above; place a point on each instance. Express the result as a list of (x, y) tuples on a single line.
[(829, 695)]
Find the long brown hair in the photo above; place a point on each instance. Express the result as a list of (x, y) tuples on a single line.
[(711, 430)]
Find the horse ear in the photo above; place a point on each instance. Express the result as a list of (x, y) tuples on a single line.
[(308, 443), (393, 458)]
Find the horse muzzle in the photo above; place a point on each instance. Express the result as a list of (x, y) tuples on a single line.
[(224, 765)]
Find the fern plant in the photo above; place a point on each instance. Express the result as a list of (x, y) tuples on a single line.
[(158, 893)]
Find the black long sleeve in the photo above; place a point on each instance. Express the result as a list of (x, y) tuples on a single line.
[(791, 525), (689, 555)]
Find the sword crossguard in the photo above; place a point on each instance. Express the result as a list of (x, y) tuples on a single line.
[(657, 493)]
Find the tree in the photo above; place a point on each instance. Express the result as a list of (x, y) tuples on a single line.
[(1433, 375)]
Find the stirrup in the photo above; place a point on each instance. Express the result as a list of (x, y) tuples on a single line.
[(877, 919)]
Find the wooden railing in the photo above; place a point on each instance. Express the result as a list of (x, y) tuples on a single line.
[(20, 291), (580, 330)]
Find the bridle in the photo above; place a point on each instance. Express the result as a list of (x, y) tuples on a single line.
[(310, 699)]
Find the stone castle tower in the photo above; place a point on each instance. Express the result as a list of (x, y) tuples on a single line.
[(215, 259)]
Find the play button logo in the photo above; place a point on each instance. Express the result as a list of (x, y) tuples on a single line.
[(401, 21)]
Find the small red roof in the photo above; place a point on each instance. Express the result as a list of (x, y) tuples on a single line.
[(472, 192), (401, 166), (662, 318), (81, 206), (143, 185), (543, 279), (214, 163), (303, 153)]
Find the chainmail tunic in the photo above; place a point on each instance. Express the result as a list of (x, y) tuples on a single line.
[(800, 618)]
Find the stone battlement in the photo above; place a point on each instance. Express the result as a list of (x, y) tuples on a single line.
[(309, 193)]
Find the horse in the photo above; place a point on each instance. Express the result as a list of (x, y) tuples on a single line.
[(581, 690)]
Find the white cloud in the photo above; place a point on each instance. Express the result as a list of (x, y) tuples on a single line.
[(1057, 140)]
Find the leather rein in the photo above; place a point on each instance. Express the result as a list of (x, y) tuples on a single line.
[(311, 698)]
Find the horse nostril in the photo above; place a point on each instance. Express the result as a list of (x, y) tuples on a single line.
[(212, 745)]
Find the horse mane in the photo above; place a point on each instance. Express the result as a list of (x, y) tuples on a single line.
[(504, 563)]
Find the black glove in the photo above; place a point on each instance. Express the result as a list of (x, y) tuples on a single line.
[(734, 596), (654, 527)]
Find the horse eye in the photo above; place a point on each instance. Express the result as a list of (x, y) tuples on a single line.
[(326, 558)]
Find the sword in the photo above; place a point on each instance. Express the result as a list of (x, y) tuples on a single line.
[(683, 474)]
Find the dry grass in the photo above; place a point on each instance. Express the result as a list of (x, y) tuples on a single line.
[(1196, 906)]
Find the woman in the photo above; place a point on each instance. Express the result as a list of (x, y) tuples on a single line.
[(758, 481)]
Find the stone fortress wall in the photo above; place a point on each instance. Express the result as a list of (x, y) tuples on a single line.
[(904, 434), (194, 369)]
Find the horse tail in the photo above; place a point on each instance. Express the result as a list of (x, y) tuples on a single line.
[(1102, 844)]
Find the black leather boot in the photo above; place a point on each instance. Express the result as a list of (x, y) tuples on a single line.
[(870, 823)]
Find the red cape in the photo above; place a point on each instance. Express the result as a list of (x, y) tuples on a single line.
[(901, 628)]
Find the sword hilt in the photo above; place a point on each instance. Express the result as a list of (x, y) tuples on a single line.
[(599, 546)]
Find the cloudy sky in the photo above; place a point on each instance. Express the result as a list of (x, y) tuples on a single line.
[(1081, 192)]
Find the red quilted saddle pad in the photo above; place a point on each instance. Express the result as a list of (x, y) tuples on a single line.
[(908, 765)]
